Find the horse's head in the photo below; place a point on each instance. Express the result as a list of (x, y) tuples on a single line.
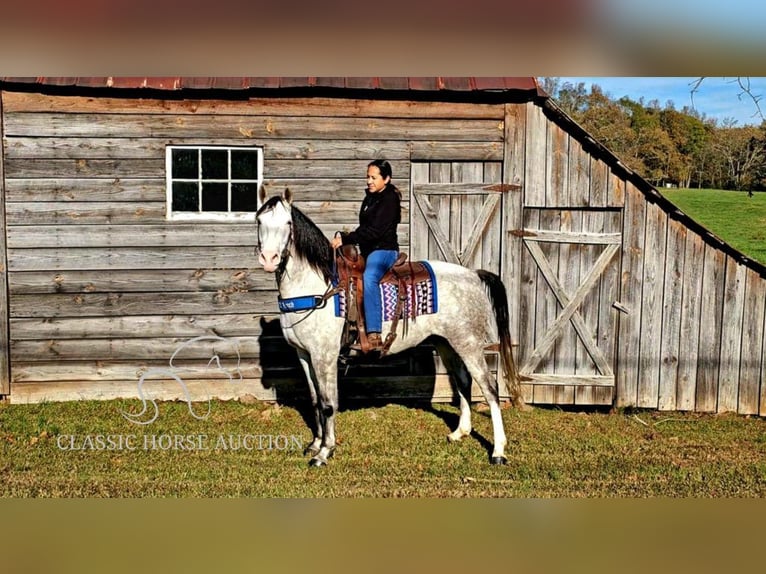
[(274, 220)]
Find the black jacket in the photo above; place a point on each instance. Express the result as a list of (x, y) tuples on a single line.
[(378, 217)]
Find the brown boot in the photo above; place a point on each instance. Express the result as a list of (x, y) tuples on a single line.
[(376, 343)]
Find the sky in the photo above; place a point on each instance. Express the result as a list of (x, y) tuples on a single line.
[(716, 97)]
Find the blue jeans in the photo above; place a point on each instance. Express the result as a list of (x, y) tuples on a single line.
[(378, 262)]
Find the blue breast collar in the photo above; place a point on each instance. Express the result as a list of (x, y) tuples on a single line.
[(304, 303)]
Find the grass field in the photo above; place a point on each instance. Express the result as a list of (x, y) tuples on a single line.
[(388, 451), (732, 215)]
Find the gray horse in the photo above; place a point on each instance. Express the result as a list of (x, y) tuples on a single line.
[(472, 313)]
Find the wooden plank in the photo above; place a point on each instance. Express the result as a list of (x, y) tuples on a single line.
[(129, 258), (307, 106), (94, 371), (168, 390), (566, 351), (514, 159), (251, 128), (138, 326), (579, 175), (708, 363), (534, 153), (480, 188), (176, 234), (154, 148), (446, 151), (629, 337), (691, 319), (419, 235), (87, 189), (547, 304), (139, 280), (592, 222), (475, 212), (615, 191), (492, 246), (651, 307), (583, 237), (52, 213), (753, 333), (5, 381), (116, 304), (556, 165), (732, 325), (671, 317), (85, 168), (599, 183), (134, 349), (571, 380), (529, 314)]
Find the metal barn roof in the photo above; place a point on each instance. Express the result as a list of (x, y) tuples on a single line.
[(413, 84)]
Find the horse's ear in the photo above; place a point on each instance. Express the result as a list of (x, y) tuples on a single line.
[(262, 194), (288, 195)]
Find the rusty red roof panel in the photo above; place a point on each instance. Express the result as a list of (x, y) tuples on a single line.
[(331, 82), (433, 84)]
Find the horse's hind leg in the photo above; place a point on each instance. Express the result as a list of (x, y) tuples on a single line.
[(473, 358), (462, 379)]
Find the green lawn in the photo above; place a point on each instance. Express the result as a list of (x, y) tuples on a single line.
[(732, 215), (387, 451)]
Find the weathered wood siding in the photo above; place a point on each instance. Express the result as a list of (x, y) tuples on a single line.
[(103, 288), (692, 337), (5, 368)]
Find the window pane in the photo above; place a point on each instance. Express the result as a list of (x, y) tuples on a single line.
[(215, 197), (215, 164), (244, 164), (184, 162), (244, 197), (185, 196)]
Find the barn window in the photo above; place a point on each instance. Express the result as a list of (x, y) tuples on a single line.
[(213, 183)]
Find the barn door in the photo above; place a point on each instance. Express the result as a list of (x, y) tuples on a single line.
[(456, 213), (569, 283)]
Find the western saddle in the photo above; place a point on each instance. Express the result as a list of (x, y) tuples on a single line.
[(403, 273)]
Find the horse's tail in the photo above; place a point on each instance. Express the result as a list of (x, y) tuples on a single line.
[(499, 300)]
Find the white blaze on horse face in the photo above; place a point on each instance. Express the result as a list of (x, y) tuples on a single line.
[(273, 234)]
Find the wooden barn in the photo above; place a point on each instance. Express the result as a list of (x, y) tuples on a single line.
[(127, 209)]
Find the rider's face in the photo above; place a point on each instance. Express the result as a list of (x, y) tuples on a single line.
[(375, 182)]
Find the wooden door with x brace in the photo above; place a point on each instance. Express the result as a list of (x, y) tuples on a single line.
[(569, 284)]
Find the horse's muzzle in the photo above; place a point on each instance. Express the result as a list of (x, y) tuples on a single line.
[(269, 260)]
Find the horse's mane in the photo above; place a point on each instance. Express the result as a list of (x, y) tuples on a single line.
[(308, 240)]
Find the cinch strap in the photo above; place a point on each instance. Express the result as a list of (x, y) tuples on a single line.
[(305, 303)]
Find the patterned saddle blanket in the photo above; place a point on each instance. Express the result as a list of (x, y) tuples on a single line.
[(421, 296)]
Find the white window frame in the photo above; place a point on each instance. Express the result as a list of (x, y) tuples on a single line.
[(209, 215)]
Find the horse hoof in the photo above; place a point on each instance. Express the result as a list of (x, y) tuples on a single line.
[(317, 462), (498, 460), (310, 451)]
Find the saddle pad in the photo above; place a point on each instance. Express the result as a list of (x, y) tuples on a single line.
[(422, 298)]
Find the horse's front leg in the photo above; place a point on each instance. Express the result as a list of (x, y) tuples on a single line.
[(326, 373), (313, 447)]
